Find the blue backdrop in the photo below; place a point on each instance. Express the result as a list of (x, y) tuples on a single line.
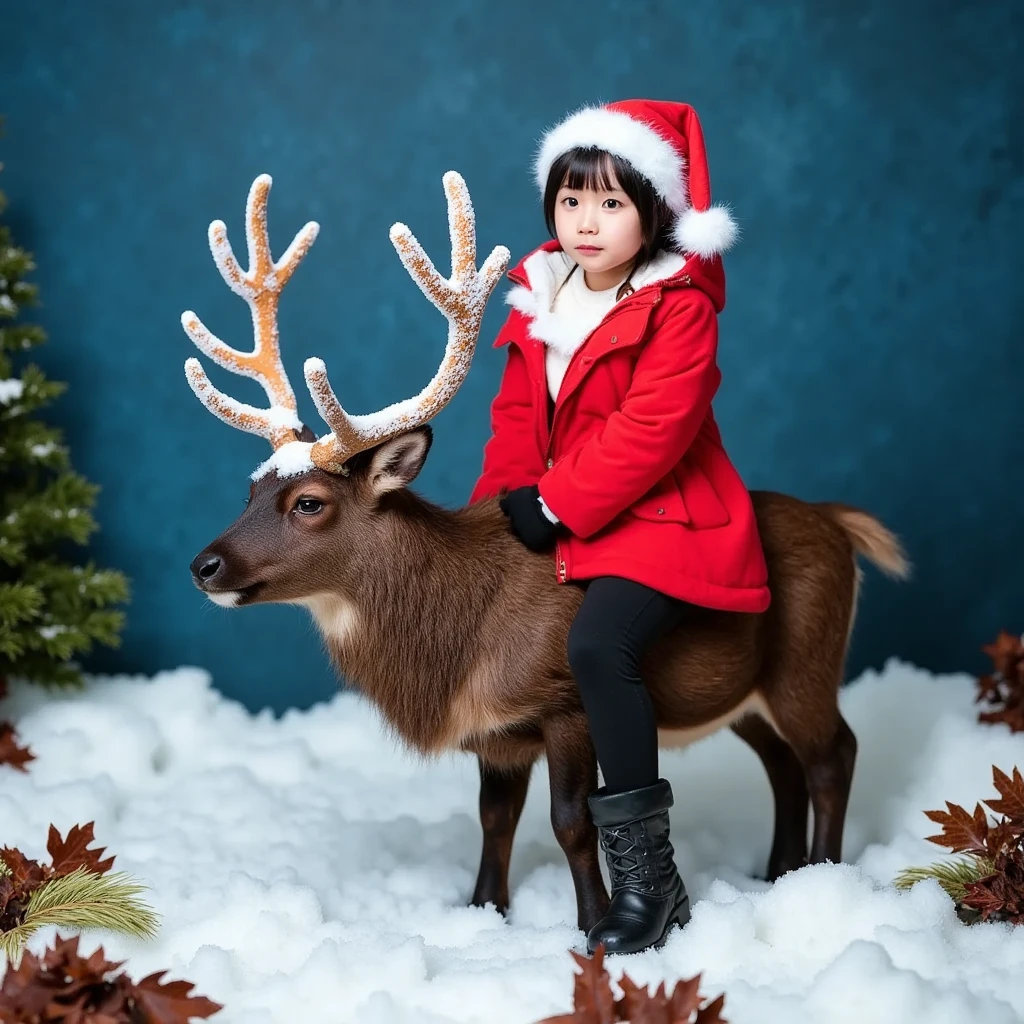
[(871, 348)]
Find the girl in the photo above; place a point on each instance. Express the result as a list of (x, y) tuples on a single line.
[(605, 450)]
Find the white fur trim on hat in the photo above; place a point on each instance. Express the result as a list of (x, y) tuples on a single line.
[(705, 232), (649, 152)]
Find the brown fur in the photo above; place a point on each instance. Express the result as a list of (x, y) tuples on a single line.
[(457, 632)]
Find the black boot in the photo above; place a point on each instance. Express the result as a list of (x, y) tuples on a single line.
[(648, 896)]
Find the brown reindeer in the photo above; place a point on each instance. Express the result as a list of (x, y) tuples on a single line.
[(458, 633)]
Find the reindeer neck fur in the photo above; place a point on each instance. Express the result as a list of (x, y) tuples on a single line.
[(403, 623)]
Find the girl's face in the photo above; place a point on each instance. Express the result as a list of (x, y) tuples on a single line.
[(600, 230)]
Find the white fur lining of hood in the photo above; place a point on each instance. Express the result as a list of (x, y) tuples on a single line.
[(561, 331)]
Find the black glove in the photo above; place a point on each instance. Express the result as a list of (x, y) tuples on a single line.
[(527, 519)]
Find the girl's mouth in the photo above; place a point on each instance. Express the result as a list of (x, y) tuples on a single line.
[(587, 248)]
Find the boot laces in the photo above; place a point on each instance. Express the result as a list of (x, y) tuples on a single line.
[(629, 858)]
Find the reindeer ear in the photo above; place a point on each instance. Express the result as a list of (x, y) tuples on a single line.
[(306, 434), (396, 463)]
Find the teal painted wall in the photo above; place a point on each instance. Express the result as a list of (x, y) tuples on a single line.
[(871, 348)]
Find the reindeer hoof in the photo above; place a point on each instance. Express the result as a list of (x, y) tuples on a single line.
[(481, 901), (776, 871)]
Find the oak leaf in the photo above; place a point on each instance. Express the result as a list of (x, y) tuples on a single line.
[(712, 1013), (24, 876), (17, 883), (595, 1003), (65, 987), (1003, 688), (1001, 894), (70, 854), (961, 832), (10, 753), (1011, 797), (170, 1002), (593, 999)]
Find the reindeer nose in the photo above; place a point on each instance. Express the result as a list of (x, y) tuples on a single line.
[(205, 567)]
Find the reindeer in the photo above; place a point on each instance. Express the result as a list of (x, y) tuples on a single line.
[(457, 632)]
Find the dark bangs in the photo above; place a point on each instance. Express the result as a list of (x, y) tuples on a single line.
[(590, 167)]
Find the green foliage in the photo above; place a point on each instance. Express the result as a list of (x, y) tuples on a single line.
[(953, 875), (51, 608), (83, 899)]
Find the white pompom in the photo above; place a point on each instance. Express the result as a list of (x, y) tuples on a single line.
[(706, 232)]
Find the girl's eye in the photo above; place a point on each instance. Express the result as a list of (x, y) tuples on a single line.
[(616, 201), (571, 200), (308, 506)]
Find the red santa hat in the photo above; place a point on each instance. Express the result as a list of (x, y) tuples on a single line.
[(664, 142)]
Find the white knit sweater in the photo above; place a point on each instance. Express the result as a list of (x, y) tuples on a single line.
[(575, 302)]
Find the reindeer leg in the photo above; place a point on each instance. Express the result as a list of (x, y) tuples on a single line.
[(502, 795), (792, 802), (828, 758), (829, 774), (572, 767)]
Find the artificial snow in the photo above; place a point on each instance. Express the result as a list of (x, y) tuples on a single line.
[(291, 459), (12, 388), (51, 632), (307, 869)]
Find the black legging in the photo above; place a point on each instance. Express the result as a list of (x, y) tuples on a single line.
[(618, 620)]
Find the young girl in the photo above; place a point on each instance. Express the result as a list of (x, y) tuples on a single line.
[(605, 442)]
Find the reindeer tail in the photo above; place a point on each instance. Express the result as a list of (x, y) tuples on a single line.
[(870, 538)]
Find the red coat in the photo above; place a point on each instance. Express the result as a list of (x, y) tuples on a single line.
[(633, 463)]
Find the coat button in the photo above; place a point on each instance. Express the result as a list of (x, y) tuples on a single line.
[(551, 462), (661, 511), (614, 338)]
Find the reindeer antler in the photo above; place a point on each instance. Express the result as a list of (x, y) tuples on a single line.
[(461, 299), (260, 286)]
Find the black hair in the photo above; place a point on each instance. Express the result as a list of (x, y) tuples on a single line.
[(589, 167)]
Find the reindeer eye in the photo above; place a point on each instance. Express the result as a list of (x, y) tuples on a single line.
[(308, 506)]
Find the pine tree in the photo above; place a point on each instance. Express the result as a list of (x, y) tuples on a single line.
[(50, 607)]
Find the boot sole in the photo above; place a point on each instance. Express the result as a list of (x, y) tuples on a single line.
[(680, 915)]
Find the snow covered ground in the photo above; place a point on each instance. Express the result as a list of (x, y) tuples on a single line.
[(307, 870)]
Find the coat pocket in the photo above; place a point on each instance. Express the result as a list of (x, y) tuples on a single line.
[(662, 503), (706, 509)]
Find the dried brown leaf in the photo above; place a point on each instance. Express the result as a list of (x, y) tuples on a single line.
[(70, 854), (16, 888), (595, 1003), (62, 986), (170, 1002), (961, 832), (10, 753), (1004, 687), (1001, 894), (712, 1013), (1011, 796)]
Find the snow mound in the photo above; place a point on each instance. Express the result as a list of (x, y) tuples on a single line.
[(306, 868)]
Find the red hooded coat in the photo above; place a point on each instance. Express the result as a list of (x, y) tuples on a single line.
[(632, 460)]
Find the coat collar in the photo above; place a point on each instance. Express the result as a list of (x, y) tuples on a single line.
[(537, 279)]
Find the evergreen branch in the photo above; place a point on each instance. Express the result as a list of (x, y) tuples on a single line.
[(952, 875), (83, 899)]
